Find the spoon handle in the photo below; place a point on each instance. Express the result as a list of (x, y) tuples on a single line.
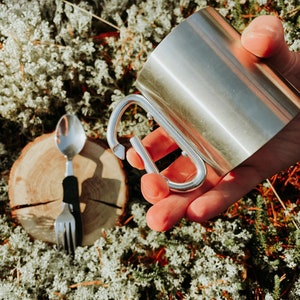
[(71, 196)]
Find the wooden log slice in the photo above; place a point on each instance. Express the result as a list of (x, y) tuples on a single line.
[(35, 188)]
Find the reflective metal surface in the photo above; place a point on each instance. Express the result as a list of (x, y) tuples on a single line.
[(119, 149), (225, 102), (70, 138)]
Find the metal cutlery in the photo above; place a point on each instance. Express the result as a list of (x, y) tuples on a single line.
[(70, 139)]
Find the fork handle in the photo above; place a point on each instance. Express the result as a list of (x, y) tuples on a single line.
[(71, 196)]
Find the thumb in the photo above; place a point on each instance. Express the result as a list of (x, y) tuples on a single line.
[(264, 37)]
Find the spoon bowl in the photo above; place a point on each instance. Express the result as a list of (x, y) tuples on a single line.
[(70, 138)]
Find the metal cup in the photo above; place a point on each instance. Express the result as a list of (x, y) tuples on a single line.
[(219, 102)]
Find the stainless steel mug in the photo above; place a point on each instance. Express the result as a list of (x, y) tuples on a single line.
[(219, 102)]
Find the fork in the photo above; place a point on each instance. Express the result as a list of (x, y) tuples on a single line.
[(65, 229)]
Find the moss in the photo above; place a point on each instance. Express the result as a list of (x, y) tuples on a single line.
[(56, 58)]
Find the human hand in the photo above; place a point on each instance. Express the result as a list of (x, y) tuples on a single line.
[(265, 38)]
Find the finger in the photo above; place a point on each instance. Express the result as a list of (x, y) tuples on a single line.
[(168, 210), (154, 187), (166, 213), (181, 170), (264, 37), (230, 189), (158, 143)]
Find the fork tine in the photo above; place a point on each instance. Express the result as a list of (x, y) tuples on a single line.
[(66, 239), (70, 237), (73, 234), (59, 232), (65, 230)]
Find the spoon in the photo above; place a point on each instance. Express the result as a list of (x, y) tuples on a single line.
[(70, 139)]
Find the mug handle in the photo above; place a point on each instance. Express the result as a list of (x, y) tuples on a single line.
[(150, 167)]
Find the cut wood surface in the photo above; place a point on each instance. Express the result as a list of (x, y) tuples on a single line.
[(35, 188)]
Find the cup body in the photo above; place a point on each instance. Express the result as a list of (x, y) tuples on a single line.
[(224, 100)]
